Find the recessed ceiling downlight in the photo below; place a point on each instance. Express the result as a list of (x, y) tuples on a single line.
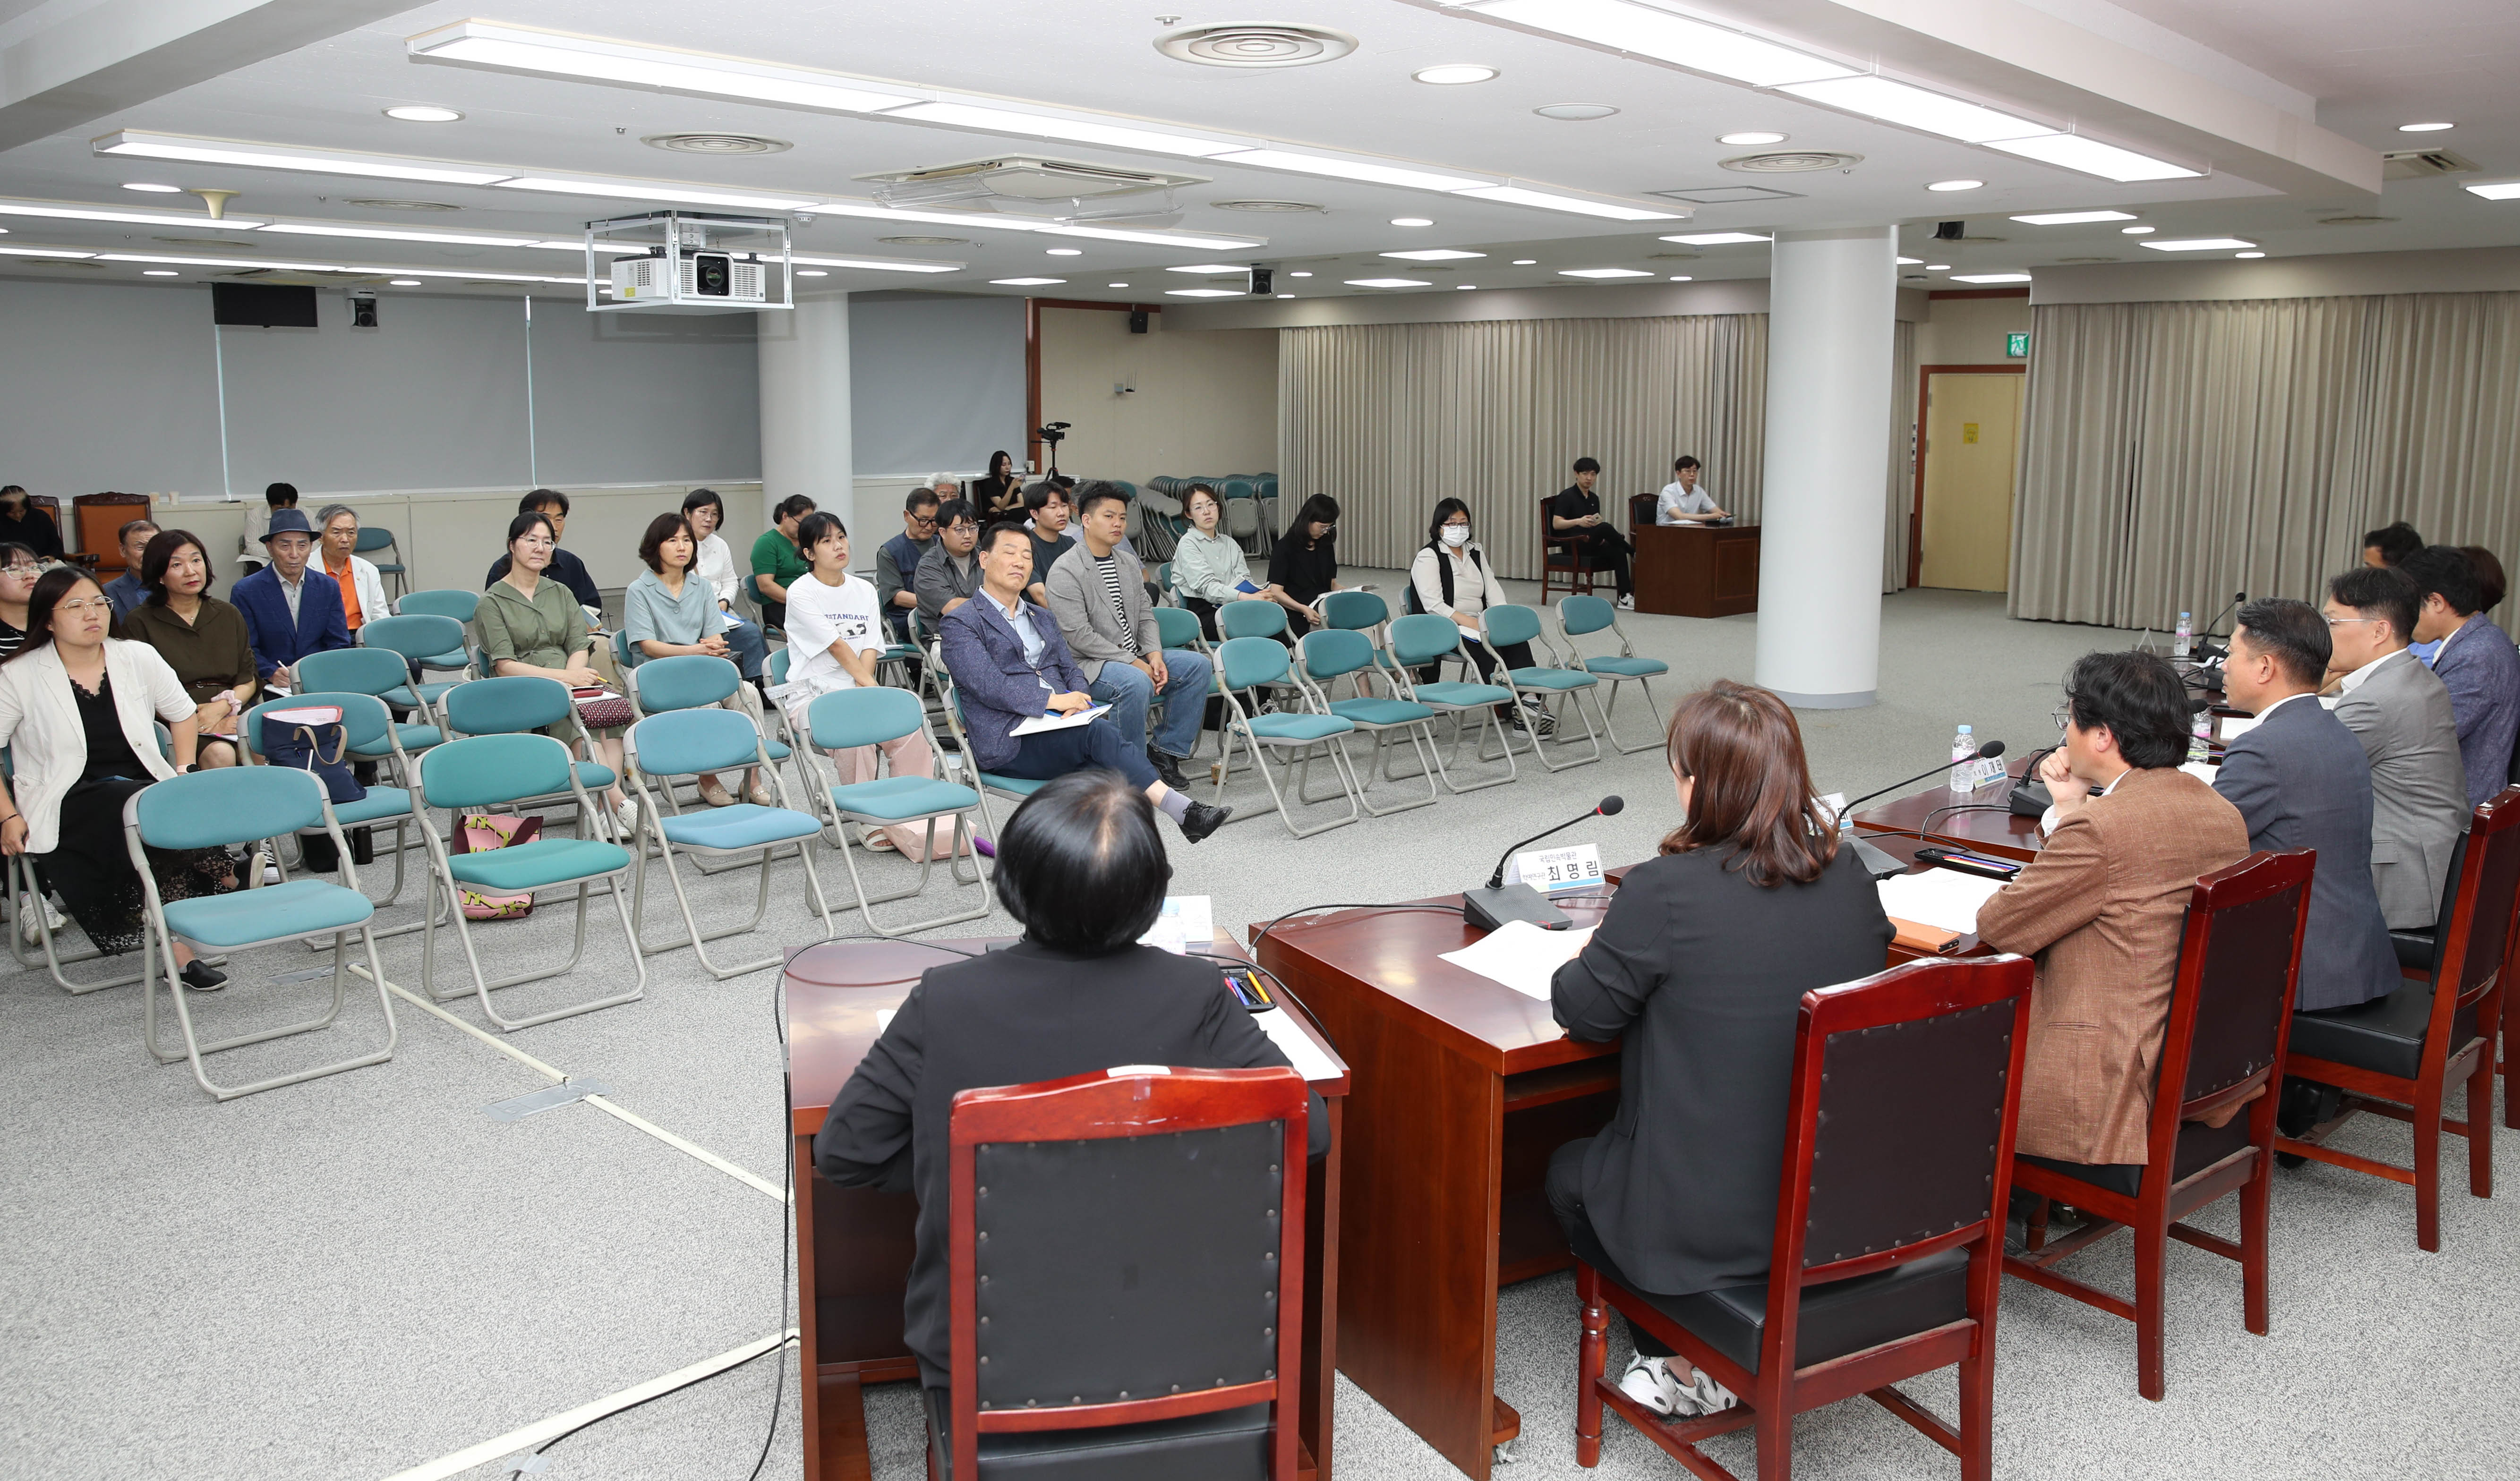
[(1752, 138), (1454, 74), (1791, 161), (1388, 282), (154, 189), (1575, 112), (424, 113), (1255, 45), (717, 144)]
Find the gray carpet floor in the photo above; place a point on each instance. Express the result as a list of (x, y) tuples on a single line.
[(359, 1276)]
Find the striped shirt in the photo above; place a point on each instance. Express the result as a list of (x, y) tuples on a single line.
[(1109, 571)]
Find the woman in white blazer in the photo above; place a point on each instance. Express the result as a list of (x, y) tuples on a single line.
[(75, 708)]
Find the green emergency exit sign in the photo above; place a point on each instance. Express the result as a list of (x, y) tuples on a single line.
[(2016, 347)]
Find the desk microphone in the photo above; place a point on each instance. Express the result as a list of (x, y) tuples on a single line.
[(1497, 901), (2204, 646), (1987, 752), (1876, 863)]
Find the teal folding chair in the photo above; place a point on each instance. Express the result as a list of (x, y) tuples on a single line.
[(504, 771), (1424, 640), (516, 704), (696, 681), (854, 717), (687, 742), (1250, 619), (448, 601), (1581, 616), (1360, 611), (1506, 624), (418, 638), (25, 910), (1250, 663), (376, 671), (1328, 655), (369, 730), (245, 804), (376, 537)]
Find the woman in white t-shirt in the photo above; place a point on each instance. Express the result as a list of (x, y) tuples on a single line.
[(834, 631)]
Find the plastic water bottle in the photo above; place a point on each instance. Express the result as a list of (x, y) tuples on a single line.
[(1964, 770), (2200, 736), (2180, 645)]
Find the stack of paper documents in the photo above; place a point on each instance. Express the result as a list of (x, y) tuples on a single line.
[(1188, 924), (1938, 897), (1521, 956), (1296, 1045)]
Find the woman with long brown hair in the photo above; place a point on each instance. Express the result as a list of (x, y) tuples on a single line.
[(1700, 964)]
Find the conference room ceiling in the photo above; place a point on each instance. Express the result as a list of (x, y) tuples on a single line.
[(2352, 69)]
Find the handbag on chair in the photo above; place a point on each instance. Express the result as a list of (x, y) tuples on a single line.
[(298, 739)]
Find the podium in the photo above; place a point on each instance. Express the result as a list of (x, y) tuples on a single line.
[(1692, 570)]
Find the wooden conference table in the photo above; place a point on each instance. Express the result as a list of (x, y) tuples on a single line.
[(854, 1244), (1696, 571)]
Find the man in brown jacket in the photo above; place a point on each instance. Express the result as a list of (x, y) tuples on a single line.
[(2103, 905)]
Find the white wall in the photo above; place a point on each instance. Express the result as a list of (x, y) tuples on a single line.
[(936, 382), (1205, 403)]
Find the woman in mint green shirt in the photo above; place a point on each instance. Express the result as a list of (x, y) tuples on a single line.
[(531, 624)]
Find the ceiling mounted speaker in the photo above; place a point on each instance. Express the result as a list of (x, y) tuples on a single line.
[(1256, 44), (1791, 161), (717, 144)]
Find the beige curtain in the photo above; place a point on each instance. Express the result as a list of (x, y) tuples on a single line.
[(1388, 419), (2177, 453), (1900, 502)]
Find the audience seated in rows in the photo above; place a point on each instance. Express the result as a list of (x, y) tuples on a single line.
[(949, 573), (1698, 969), (669, 612), (1099, 594), (1009, 665), (76, 710), (715, 566), (23, 523), (2474, 660), (897, 567), (2401, 713), (1449, 576), (2301, 780), (565, 568), (1209, 568), (835, 632), (287, 615), (1305, 563), (2102, 906), (127, 590), (1082, 867), (532, 624), (1575, 516), (201, 638), (363, 590), (777, 560)]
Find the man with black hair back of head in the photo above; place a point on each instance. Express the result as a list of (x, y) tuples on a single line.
[(2102, 906), (2474, 660), (2389, 543), (2401, 713)]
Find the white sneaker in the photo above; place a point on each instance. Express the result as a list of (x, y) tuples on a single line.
[(1705, 1396), (627, 814), (27, 929), (1650, 1382), (1628, 604)]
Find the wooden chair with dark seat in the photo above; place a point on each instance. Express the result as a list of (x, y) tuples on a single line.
[(2397, 1055), (1889, 1239), (1123, 1243), (1563, 558), (2230, 1007)]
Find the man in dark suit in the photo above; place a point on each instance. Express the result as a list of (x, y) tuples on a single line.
[(1009, 665), (288, 617), (1081, 865), (2301, 780), (2474, 660)]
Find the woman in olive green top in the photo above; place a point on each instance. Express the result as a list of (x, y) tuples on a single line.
[(201, 638), (531, 624)]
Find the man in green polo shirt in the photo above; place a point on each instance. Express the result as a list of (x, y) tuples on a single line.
[(775, 561)]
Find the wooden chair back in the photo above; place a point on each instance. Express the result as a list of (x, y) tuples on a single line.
[(2231, 1003), (99, 518), (1130, 1239), (2476, 929)]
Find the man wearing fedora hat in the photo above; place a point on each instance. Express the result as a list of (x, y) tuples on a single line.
[(286, 616)]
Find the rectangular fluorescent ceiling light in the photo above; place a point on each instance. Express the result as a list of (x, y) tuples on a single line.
[(1206, 241), (1989, 277), (1385, 283), (128, 218), (877, 264), (1911, 262), (326, 267), (2073, 219), (1917, 108), (2199, 244), (1516, 195), (1211, 269), (551, 53), (1350, 169), (2508, 190), (1602, 272), (1203, 293), (39, 251), (2093, 158), (1025, 281), (1665, 37), (657, 189), (1426, 254), (1004, 120), (1715, 239), (137, 144), (389, 233)]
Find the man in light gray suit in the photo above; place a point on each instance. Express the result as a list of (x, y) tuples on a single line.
[(2300, 780), (1098, 591), (2402, 714)]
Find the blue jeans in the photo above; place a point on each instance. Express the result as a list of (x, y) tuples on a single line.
[(751, 650), (1051, 755), (1130, 694)]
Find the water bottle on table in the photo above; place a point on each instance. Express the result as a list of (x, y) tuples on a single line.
[(1965, 766), (2186, 638)]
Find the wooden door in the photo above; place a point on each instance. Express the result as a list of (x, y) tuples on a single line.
[(1972, 427)]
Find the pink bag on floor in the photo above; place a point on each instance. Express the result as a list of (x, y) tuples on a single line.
[(479, 833)]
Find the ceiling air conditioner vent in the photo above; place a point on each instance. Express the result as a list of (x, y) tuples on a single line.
[(1060, 190), (1791, 161), (2424, 164)]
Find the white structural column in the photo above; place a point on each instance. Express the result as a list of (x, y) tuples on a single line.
[(805, 445), (1832, 299)]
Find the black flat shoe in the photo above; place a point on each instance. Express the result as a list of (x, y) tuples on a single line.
[(1202, 820), (1167, 770), (201, 977)]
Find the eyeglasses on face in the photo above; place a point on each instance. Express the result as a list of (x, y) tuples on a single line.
[(83, 605)]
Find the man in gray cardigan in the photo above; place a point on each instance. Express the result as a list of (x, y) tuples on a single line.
[(2402, 714), (1099, 594)]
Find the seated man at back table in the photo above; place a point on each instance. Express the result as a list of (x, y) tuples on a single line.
[(1682, 501), (2402, 714), (2474, 660), (2104, 904), (1009, 665)]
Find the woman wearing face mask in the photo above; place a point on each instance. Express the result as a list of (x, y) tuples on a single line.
[(1450, 577)]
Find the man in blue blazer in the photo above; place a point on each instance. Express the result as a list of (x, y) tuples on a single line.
[(1009, 665), (289, 614), (2475, 662)]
